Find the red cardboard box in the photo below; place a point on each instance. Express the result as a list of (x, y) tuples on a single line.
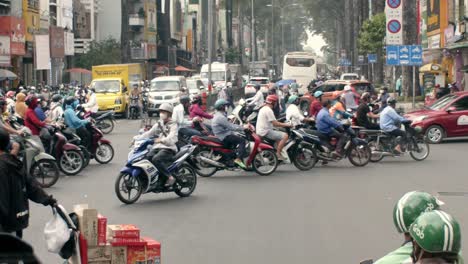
[(101, 230), (136, 254), (123, 231), (153, 251), (123, 242)]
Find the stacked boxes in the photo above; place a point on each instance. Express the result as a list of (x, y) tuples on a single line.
[(114, 244)]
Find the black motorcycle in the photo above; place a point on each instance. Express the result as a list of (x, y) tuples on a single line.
[(383, 145), (134, 109)]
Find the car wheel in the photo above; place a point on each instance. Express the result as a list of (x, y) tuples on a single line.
[(435, 134)]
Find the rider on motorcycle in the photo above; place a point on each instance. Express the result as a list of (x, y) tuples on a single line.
[(91, 105), (257, 100), (338, 110), (316, 105), (56, 109), (363, 113), (293, 114), (178, 116), (197, 112), (73, 122), (165, 144), (266, 121), (436, 239), (330, 127), (10, 95), (405, 212), (349, 98), (390, 122), (223, 129)]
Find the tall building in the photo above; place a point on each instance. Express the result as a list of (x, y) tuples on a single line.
[(85, 13)]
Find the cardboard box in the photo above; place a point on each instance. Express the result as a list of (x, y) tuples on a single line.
[(123, 231), (102, 230), (153, 251), (119, 255), (123, 242), (136, 254), (100, 262), (88, 223), (99, 253)]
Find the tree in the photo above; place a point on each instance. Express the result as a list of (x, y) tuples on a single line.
[(232, 55), (103, 52), (372, 34)]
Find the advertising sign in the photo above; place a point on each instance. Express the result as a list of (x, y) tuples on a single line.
[(5, 56), (423, 22), (150, 22), (31, 18), (433, 16), (14, 27), (69, 40), (42, 52), (394, 18), (57, 42)]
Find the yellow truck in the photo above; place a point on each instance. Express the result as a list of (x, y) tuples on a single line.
[(113, 83)]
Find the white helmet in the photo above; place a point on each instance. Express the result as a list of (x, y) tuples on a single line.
[(347, 88), (166, 107)]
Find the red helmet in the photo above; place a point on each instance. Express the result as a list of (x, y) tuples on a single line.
[(272, 99)]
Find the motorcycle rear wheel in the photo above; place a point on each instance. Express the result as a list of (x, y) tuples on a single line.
[(265, 158), (376, 147), (124, 185), (106, 125), (186, 181), (423, 152), (46, 172), (206, 170), (363, 154), (75, 165)]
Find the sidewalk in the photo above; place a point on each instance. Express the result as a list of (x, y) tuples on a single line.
[(408, 106)]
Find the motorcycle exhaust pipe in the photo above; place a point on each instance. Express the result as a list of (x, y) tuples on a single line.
[(381, 153), (211, 162)]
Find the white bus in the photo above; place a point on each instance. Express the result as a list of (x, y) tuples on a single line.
[(300, 66)]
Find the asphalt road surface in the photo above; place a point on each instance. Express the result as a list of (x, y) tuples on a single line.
[(332, 214)]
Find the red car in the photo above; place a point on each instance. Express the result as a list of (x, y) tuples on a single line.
[(445, 118)]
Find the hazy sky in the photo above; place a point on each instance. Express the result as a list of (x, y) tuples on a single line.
[(315, 42)]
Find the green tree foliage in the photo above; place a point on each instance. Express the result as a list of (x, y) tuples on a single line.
[(372, 34), (102, 52), (232, 55)]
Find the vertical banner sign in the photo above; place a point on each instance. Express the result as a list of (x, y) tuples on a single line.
[(42, 52), (57, 42), (5, 55), (69, 44), (394, 18)]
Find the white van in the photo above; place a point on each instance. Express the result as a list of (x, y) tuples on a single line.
[(220, 74), (165, 90)]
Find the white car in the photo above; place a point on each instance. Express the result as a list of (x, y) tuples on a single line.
[(250, 87), (349, 76)]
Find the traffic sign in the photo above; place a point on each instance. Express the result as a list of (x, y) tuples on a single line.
[(372, 58), (361, 58), (394, 22), (344, 62), (394, 3), (404, 55), (394, 26)]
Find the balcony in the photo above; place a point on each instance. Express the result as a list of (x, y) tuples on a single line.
[(136, 21)]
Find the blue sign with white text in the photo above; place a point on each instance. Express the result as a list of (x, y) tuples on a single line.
[(404, 55), (372, 58)]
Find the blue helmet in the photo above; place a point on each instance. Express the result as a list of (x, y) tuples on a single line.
[(317, 94), (220, 103)]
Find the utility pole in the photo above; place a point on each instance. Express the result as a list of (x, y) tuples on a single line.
[(272, 30), (254, 44), (210, 42)]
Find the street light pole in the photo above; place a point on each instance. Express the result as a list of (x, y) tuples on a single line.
[(253, 41), (272, 30), (210, 42)]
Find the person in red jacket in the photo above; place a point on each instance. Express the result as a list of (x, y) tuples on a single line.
[(32, 121), (197, 114)]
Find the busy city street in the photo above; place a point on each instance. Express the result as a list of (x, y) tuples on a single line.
[(332, 214)]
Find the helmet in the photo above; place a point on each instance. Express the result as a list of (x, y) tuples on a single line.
[(347, 88), (2, 103), (10, 94), (220, 103), (292, 99), (30, 99), (166, 107), (40, 98), (365, 96), (196, 99), (56, 98), (437, 232), (410, 206), (391, 101), (184, 99), (271, 99), (317, 94), (257, 87), (69, 100)]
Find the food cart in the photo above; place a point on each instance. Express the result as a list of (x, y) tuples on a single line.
[(430, 76)]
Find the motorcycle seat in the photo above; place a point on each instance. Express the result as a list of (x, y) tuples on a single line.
[(268, 141), (212, 139)]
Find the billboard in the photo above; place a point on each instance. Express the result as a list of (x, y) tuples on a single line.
[(150, 22), (69, 43), (42, 52), (57, 42), (5, 56), (433, 17), (176, 20), (14, 27)]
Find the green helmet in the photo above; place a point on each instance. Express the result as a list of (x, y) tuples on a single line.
[(292, 98), (220, 103), (437, 232), (412, 205)]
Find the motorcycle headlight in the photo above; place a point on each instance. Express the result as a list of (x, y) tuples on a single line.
[(419, 119), (118, 101)]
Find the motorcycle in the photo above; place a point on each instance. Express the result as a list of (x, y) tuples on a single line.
[(69, 156), (74, 139), (134, 109), (105, 121), (355, 149), (141, 175), (382, 144), (145, 100), (213, 155), (242, 112)]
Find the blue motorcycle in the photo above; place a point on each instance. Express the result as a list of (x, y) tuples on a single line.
[(140, 176)]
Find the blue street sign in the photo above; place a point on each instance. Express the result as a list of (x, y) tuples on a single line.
[(372, 58), (344, 62), (404, 55)]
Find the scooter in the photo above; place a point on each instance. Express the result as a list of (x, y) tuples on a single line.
[(105, 121), (213, 155), (141, 175), (69, 156)]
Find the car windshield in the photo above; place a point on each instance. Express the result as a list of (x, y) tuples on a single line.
[(164, 86), (443, 102), (109, 86), (216, 76), (258, 81), (192, 85)]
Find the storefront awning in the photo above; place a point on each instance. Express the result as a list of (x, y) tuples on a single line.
[(458, 45), (182, 69), (432, 67)]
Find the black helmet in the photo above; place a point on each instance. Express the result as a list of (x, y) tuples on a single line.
[(391, 101), (257, 87), (2, 102), (69, 100), (40, 98), (184, 99), (56, 98), (196, 99)]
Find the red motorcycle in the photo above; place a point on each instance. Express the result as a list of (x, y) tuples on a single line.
[(213, 155)]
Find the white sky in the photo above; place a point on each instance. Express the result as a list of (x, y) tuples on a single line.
[(315, 42)]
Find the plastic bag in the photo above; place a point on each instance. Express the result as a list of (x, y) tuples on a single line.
[(56, 233)]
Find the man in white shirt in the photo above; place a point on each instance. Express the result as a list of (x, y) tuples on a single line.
[(257, 100), (92, 105), (349, 98), (179, 117), (265, 123), (293, 114)]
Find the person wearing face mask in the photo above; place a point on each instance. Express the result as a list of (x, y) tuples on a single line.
[(91, 105), (73, 122), (165, 148)]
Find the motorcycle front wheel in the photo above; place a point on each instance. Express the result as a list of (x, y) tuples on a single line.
[(124, 185), (205, 169), (71, 162), (359, 155), (265, 162), (420, 150), (104, 153), (305, 158), (46, 172), (106, 125), (186, 181)]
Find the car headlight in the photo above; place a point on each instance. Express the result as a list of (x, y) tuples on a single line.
[(419, 119), (118, 101)]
